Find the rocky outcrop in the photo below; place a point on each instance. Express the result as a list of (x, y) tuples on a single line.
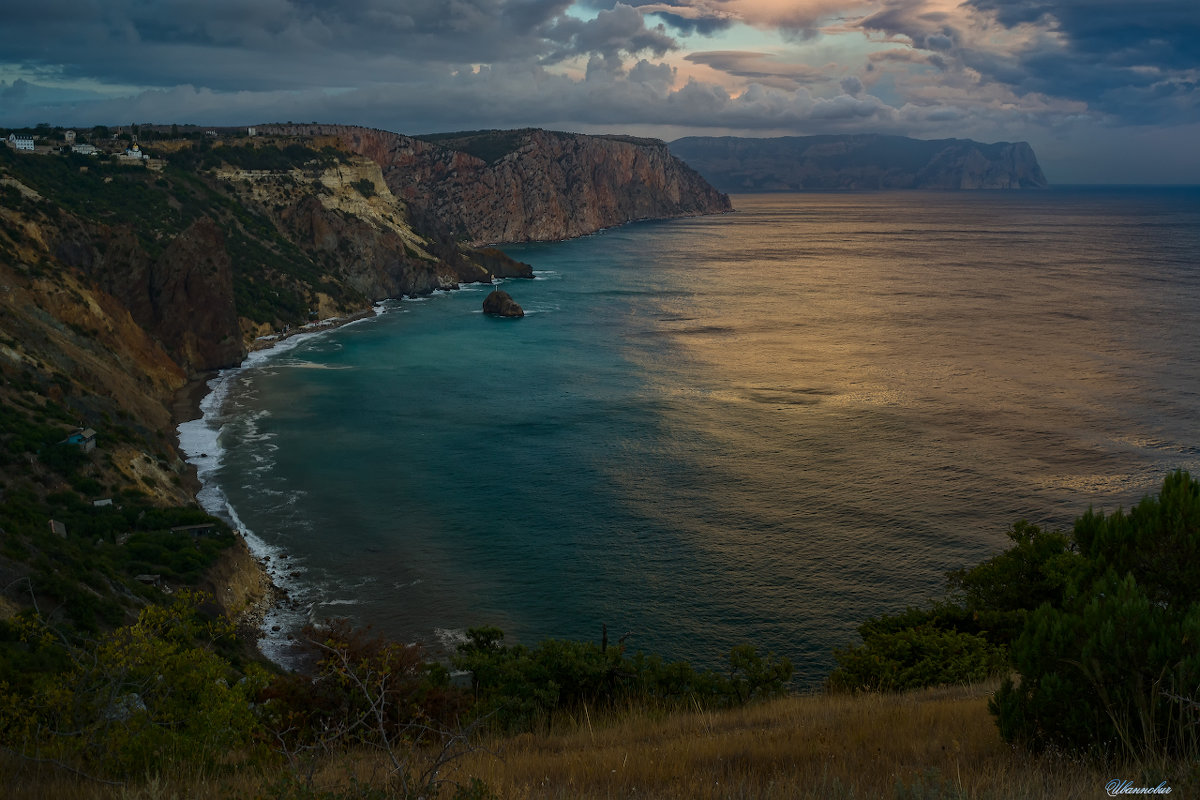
[(528, 185), (184, 297), (500, 304), (349, 218), (191, 296), (237, 583), (870, 161)]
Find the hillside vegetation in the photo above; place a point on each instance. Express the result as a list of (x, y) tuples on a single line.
[(1066, 661), (123, 280), (1109, 693)]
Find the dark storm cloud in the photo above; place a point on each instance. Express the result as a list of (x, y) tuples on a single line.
[(684, 21), (704, 26), (272, 44), (618, 30), (1163, 33), (501, 96), (1136, 62)]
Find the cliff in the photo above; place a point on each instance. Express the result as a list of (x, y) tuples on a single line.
[(528, 185), (122, 285), (799, 163)]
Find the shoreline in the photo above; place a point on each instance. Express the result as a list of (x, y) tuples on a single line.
[(254, 619), (186, 405), (270, 620)]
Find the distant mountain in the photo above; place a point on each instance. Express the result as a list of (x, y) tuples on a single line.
[(860, 161)]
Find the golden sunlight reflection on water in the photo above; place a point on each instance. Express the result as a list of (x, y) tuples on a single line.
[(955, 358)]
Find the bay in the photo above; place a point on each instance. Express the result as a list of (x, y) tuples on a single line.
[(756, 427)]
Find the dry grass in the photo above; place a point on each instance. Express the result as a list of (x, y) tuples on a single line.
[(938, 743), (928, 744)]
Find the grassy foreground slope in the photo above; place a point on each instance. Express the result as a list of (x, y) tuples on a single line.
[(931, 743)]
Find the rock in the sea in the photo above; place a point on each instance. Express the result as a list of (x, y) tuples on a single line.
[(499, 304)]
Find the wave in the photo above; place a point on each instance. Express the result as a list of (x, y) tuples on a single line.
[(200, 441)]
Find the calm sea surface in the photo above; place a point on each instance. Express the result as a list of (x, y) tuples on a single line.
[(757, 427)]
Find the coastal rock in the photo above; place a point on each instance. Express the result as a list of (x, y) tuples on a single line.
[(527, 185), (860, 161), (500, 304)]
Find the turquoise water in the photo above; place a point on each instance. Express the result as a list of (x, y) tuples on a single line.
[(761, 426)]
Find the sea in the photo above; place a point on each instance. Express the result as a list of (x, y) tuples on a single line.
[(758, 427)]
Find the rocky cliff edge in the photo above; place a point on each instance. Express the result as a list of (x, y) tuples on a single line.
[(488, 187)]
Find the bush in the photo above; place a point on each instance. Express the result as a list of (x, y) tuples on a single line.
[(144, 698), (518, 688), (364, 187), (964, 637), (366, 691), (914, 657)]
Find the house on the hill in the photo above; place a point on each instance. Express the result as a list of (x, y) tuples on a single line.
[(196, 531), (20, 142), (85, 438)]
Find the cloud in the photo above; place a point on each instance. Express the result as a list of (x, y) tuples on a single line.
[(988, 69), (619, 30), (1133, 63), (763, 68), (281, 44), (796, 19)]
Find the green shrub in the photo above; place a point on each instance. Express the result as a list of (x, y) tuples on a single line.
[(365, 187), (914, 657), (144, 698), (518, 688)]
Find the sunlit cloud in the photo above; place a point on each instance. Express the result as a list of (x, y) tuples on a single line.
[(1015, 69)]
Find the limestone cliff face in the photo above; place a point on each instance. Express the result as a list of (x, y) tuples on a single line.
[(347, 216), (516, 186), (84, 338), (798, 163)]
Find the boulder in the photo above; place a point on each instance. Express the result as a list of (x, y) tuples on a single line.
[(499, 304)]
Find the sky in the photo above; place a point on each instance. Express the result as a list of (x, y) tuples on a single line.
[(1106, 92)]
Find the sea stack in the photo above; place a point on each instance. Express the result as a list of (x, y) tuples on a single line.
[(499, 304)]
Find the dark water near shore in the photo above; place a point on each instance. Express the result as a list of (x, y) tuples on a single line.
[(762, 426)]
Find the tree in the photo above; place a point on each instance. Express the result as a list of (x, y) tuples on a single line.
[(964, 637), (1114, 666), (369, 692)]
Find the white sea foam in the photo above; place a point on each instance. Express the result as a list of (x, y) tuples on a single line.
[(339, 602), (297, 363), (450, 638), (200, 441), (398, 585)]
